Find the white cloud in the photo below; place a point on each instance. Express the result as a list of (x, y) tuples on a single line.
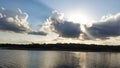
[(16, 21), (13, 20)]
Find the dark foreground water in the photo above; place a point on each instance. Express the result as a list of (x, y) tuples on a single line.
[(58, 59)]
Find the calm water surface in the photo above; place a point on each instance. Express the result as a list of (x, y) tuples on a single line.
[(58, 59)]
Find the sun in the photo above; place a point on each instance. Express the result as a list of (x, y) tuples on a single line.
[(79, 17), (84, 19)]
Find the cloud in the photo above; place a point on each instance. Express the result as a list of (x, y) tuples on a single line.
[(57, 24), (108, 26), (37, 33), (15, 21)]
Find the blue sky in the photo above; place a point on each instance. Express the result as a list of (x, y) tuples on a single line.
[(75, 12), (97, 8)]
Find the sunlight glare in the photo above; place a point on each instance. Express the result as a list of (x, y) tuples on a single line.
[(79, 17)]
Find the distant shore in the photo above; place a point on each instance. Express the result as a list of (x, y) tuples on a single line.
[(62, 47)]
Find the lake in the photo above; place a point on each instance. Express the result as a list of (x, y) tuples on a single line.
[(58, 59)]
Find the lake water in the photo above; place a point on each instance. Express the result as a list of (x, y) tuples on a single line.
[(58, 59)]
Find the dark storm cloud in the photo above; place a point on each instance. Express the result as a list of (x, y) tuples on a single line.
[(67, 29), (107, 27), (57, 24)]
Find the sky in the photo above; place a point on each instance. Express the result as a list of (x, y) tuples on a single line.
[(64, 21)]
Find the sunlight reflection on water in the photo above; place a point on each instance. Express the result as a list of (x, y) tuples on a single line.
[(58, 59)]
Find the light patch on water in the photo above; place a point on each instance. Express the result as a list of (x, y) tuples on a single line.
[(13, 59)]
